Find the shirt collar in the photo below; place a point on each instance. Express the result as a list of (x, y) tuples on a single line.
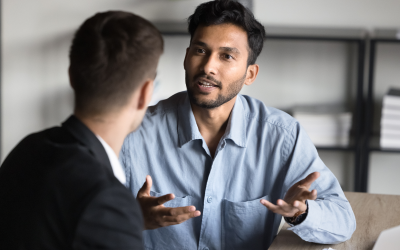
[(188, 130), (236, 128), (187, 126), (115, 164)]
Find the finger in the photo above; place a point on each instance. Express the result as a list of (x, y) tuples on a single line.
[(301, 206), (176, 211), (289, 210), (181, 218), (307, 195), (281, 208), (145, 189), (309, 179), (312, 195), (271, 206), (162, 199)]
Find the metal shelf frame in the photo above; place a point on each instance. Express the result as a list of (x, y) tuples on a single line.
[(381, 36)]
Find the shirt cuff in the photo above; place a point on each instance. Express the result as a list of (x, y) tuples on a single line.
[(311, 222)]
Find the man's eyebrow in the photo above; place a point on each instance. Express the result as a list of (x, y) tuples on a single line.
[(226, 49), (230, 49), (199, 43)]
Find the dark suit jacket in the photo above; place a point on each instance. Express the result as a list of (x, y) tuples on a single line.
[(58, 191)]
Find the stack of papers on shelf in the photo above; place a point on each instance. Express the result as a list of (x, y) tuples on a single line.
[(390, 120), (327, 126)]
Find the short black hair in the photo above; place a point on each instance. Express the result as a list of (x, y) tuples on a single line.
[(228, 11), (111, 54)]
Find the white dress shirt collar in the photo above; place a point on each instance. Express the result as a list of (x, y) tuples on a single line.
[(119, 173)]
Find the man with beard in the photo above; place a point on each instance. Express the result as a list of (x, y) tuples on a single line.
[(241, 164)]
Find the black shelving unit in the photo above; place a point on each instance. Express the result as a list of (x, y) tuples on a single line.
[(354, 36), (371, 143)]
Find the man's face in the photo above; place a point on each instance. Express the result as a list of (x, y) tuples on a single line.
[(216, 64)]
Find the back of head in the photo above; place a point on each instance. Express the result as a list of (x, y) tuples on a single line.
[(111, 54), (229, 11)]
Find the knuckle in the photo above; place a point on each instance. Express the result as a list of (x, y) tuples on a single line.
[(158, 221)]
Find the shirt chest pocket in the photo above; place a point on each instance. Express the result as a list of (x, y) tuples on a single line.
[(246, 225)]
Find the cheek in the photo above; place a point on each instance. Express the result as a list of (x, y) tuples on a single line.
[(232, 73), (190, 61), (186, 63)]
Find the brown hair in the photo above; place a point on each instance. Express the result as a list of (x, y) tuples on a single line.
[(111, 54)]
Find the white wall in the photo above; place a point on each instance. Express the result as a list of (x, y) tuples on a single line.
[(36, 38)]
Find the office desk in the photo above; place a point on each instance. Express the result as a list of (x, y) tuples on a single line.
[(374, 213)]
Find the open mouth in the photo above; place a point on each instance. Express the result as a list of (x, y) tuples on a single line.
[(206, 84)]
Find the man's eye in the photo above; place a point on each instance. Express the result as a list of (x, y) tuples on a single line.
[(201, 51), (226, 56)]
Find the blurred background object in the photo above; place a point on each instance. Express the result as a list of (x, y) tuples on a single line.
[(327, 126), (390, 121)]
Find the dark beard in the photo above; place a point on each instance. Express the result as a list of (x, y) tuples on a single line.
[(233, 90)]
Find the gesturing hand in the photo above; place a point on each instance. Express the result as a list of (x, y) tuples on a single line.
[(295, 198), (156, 214)]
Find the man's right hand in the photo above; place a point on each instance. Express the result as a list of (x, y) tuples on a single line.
[(156, 214)]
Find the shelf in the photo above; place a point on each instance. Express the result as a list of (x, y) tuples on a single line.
[(375, 147), (308, 33), (386, 35), (335, 148), (172, 28), (385, 150), (280, 32)]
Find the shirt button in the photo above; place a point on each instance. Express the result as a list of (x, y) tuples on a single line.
[(209, 200), (206, 248)]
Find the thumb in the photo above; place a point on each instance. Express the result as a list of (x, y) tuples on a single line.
[(145, 189)]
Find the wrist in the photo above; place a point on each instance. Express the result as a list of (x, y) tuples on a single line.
[(298, 217)]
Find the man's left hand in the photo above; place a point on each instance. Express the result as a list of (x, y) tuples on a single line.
[(295, 198)]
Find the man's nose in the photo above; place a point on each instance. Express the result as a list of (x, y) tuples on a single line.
[(211, 64)]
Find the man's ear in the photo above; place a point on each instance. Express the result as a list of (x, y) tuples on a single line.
[(251, 74), (145, 94), (69, 76)]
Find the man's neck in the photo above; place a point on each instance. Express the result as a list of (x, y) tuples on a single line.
[(212, 123), (111, 128)]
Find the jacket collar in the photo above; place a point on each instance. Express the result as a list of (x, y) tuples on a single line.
[(86, 137), (188, 130)]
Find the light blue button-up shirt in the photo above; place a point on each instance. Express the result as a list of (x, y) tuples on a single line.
[(263, 152)]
